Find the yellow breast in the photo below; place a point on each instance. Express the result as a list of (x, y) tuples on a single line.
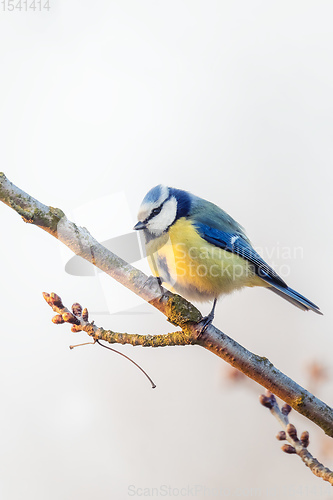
[(195, 268)]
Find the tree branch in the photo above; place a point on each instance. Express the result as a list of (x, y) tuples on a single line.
[(79, 321), (177, 310), (289, 433)]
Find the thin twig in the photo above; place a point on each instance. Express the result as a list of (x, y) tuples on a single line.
[(289, 433), (129, 359)]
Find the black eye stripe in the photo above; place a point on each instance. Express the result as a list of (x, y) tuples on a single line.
[(154, 212)]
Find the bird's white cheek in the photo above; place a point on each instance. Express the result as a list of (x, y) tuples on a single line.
[(165, 218)]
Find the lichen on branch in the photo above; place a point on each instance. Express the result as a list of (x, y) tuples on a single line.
[(78, 318)]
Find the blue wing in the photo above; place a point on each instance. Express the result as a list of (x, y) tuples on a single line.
[(235, 242)]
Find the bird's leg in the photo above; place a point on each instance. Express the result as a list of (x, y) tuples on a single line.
[(206, 320), (164, 293)]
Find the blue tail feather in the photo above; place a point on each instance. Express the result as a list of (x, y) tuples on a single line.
[(292, 296)]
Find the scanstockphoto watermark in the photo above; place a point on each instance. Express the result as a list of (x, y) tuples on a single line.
[(165, 490), (203, 491), (25, 5)]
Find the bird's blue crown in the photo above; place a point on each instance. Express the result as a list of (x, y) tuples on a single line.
[(162, 193)]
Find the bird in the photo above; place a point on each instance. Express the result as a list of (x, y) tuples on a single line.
[(200, 252)]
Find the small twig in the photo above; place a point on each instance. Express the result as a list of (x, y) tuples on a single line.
[(129, 359), (83, 343), (78, 318), (289, 433), (80, 323)]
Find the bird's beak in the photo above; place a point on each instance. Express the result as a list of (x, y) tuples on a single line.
[(140, 225)]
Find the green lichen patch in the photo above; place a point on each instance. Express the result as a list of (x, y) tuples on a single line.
[(180, 312), (54, 216)]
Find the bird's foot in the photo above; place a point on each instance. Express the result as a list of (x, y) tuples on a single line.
[(207, 320)]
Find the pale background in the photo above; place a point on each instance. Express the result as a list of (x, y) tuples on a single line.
[(101, 101)]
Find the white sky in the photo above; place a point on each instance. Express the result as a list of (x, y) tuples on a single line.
[(103, 100)]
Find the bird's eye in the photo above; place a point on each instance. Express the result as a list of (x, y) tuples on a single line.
[(156, 211)]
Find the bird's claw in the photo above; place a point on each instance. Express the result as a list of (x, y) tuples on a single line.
[(205, 322)]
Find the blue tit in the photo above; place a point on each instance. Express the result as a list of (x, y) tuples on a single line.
[(200, 252)]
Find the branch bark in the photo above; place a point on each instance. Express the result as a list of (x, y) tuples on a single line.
[(177, 310)]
